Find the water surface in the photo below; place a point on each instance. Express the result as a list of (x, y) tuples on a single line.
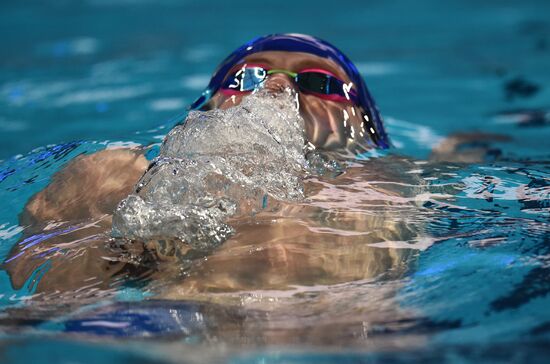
[(397, 259)]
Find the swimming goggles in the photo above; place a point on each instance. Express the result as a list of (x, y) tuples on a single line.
[(315, 81)]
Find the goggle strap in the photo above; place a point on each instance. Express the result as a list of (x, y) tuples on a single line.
[(291, 74)]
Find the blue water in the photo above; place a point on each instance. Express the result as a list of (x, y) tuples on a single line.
[(76, 77)]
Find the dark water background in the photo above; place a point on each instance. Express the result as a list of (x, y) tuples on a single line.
[(77, 76)]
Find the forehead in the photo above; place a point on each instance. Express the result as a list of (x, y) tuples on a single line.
[(296, 61)]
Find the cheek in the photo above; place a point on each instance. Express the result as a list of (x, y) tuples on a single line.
[(314, 111), (222, 101), (328, 114), (324, 121)]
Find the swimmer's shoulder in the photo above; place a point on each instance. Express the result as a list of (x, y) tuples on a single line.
[(88, 186)]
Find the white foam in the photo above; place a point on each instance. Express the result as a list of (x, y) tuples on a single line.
[(217, 164)]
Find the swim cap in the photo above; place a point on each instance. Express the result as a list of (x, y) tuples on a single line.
[(306, 44)]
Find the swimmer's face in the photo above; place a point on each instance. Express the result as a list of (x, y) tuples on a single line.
[(329, 123)]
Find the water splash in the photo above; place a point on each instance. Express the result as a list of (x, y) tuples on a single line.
[(217, 164)]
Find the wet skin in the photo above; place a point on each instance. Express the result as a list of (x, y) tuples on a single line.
[(323, 240), (324, 119)]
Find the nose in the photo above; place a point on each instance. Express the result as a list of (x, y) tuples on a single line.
[(278, 82)]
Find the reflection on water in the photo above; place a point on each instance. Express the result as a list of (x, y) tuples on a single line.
[(372, 254), (290, 255)]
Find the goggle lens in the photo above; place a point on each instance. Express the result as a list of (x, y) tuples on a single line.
[(248, 79), (320, 83)]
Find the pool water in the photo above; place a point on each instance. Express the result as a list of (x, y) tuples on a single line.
[(396, 260)]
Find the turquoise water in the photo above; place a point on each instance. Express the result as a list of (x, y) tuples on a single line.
[(78, 77)]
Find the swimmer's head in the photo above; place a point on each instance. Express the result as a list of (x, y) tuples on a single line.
[(331, 95)]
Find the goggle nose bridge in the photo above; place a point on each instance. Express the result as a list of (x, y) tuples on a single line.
[(259, 79), (286, 72)]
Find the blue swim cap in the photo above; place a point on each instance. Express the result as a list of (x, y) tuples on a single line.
[(306, 44)]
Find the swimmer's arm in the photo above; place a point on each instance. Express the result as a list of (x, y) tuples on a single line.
[(89, 186), (467, 148), (87, 190)]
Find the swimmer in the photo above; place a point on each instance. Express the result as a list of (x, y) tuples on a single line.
[(338, 111), (331, 95), (339, 115), (333, 99)]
